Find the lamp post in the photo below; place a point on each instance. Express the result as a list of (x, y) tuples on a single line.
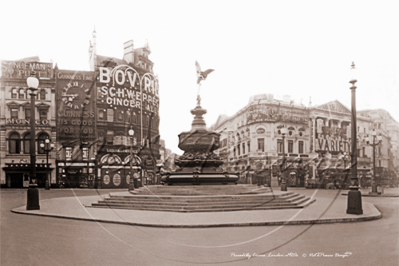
[(284, 131), (354, 194), (131, 183), (344, 157), (373, 144), (33, 192), (47, 147)]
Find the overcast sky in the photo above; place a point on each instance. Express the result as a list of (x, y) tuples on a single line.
[(299, 48)]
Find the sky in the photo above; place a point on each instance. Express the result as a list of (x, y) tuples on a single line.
[(299, 48)]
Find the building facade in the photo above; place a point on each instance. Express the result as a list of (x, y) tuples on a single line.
[(127, 100), (252, 143), (76, 127), (15, 113)]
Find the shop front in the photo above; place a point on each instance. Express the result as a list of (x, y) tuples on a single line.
[(17, 175), (76, 174), (115, 172)]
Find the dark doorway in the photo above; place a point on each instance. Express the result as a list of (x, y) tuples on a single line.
[(14, 180)]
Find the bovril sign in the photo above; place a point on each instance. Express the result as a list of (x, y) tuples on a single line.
[(123, 86)]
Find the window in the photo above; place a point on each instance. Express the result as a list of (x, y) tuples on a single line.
[(110, 115), (261, 144), (110, 136), (27, 113), (14, 93), (42, 94), (120, 115), (238, 149), (249, 146), (43, 114), (21, 94), (14, 143), (101, 113), (364, 152), (243, 148), (300, 147), (41, 139), (290, 146), (280, 146), (234, 151), (27, 143), (248, 132), (14, 113), (134, 118)]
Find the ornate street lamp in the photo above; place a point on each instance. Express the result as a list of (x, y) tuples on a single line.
[(33, 192), (47, 147), (354, 194), (373, 144), (131, 183), (284, 131)]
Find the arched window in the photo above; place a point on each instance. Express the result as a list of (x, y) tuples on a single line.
[(41, 139), (27, 143), (14, 93), (21, 94), (14, 143)]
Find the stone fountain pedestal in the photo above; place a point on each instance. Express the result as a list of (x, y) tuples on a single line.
[(199, 165)]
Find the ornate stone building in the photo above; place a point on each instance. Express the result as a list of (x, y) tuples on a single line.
[(251, 140), (15, 110)]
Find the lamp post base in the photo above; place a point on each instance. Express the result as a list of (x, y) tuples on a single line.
[(33, 199), (354, 202), (283, 187), (374, 190), (47, 185)]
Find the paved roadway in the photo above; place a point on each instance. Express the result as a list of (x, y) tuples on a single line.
[(36, 240)]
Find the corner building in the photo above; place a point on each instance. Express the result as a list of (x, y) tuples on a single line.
[(252, 143)]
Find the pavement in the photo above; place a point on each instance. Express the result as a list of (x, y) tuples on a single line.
[(386, 192), (330, 207)]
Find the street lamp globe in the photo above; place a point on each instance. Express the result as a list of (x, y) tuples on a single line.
[(131, 132), (41, 145), (284, 131), (47, 141), (373, 133), (379, 138), (33, 82)]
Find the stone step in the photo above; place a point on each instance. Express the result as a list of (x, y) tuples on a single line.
[(167, 203), (203, 201), (287, 195), (224, 209)]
